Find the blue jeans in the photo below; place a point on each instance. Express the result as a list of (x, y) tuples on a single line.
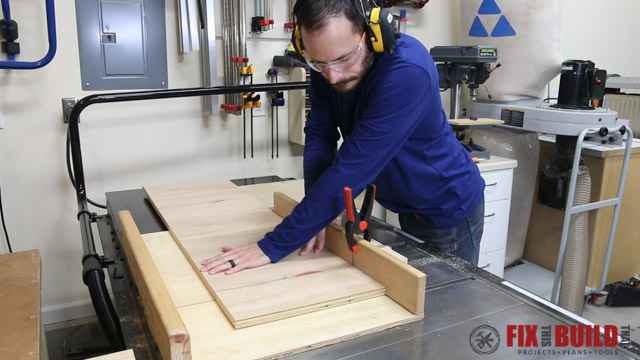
[(462, 241)]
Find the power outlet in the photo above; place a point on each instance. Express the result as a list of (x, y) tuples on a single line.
[(67, 106)]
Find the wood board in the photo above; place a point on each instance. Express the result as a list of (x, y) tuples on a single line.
[(21, 335), (206, 215), (405, 284), (478, 122), (120, 355), (163, 319), (213, 337), (264, 192)]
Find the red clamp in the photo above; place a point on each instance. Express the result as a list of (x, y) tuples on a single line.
[(358, 221), (266, 22), (229, 107), (239, 59)]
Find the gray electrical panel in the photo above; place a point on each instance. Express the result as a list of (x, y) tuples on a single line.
[(122, 44)]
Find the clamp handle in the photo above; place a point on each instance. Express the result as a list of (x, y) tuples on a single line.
[(350, 207), (361, 225), (349, 204), (367, 210)]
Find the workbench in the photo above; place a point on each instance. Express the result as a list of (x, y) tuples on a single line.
[(459, 298), (21, 332)]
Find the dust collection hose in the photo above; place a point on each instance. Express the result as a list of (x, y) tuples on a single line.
[(93, 277), (576, 256)]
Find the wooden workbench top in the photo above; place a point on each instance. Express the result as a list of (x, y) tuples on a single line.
[(20, 321), (596, 150)]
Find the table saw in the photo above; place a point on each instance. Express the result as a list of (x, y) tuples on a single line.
[(459, 299)]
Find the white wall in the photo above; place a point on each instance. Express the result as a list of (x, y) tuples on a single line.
[(604, 32), (124, 145), (437, 24)]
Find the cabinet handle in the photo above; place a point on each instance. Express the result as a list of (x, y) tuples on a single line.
[(492, 184), (486, 266), (490, 215)]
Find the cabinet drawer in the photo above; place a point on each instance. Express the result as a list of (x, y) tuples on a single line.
[(496, 225), (497, 184), (493, 262)]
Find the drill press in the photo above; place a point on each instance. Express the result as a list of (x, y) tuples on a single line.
[(458, 65)]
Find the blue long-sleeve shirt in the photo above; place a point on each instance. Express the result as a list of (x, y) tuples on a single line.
[(396, 136)]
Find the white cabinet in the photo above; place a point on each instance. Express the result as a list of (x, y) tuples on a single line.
[(497, 202), (493, 262), (496, 223)]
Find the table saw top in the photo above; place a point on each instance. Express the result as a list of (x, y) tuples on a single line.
[(459, 298)]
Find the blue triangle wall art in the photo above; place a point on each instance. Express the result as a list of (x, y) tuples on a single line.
[(503, 28), (489, 7), (477, 29)]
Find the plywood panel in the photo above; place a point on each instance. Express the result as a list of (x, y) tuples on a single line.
[(264, 192), (120, 355), (478, 122), (20, 320), (206, 218), (404, 283), (213, 337), (172, 270), (626, 248)]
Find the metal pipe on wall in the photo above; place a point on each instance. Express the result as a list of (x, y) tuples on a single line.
[(259, 8), (242, 12), (291, 17), (227, 47), (53, 44), (268, 11), (235, 45), (224, 10), (209, 54)]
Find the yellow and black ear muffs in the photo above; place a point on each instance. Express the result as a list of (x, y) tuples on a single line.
[(296, 41), (381, 30)]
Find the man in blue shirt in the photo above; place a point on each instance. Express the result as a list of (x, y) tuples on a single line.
[(387, 109)]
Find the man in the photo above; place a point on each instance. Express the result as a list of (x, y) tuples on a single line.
[(388, 110)]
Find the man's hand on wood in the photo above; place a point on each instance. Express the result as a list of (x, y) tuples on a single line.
[(236, 258)]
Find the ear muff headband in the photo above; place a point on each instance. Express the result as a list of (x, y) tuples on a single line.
[(296, 41), (381, 32), (375, 38)]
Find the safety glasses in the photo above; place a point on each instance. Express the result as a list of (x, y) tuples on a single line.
[(341, 64)]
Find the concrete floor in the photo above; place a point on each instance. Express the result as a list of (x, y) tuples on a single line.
[(76, 339), (539, 281), (618, 316)]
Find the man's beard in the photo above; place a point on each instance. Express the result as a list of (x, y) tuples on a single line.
[(348, 85)]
